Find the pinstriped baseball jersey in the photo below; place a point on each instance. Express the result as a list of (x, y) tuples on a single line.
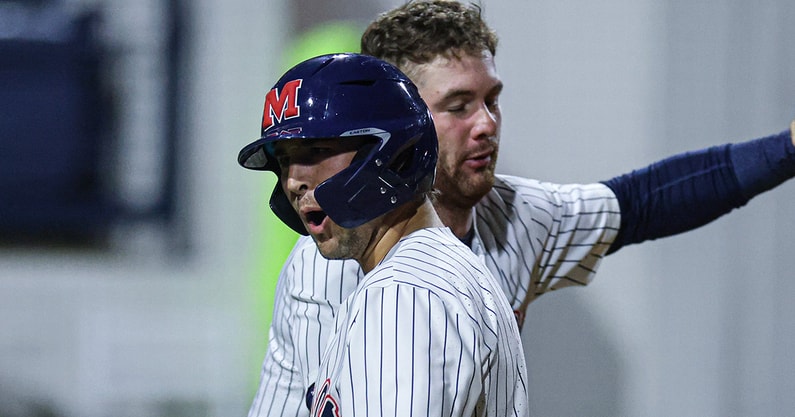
[(428, 332), (537, 237), (533, 237)]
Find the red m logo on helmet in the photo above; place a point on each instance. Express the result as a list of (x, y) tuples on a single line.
[(281, 105)]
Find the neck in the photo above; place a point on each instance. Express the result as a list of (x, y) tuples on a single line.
[(458, 219), (397, 225)]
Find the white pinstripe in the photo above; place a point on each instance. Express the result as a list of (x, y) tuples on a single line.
[(534, 237)]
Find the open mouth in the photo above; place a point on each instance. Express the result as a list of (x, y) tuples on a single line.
[(315, 218)]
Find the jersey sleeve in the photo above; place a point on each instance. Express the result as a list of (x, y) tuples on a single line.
[(405, 354), (688, 190), (281, 389), (538, 236), (309, 294)]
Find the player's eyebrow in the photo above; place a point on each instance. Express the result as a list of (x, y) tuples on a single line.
[(451, 95), (454, 94)]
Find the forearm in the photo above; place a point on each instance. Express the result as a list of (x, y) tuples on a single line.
[(689, 190), (764, 163)]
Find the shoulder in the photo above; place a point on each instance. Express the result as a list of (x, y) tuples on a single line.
[(431, 247), (529, 188), (516, 194), (430, 260)]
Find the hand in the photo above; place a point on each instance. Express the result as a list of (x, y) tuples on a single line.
[(792, 131)]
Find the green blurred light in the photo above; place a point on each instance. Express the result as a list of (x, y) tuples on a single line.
[(327, 38)]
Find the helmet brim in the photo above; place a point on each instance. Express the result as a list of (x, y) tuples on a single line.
[(253, 156)]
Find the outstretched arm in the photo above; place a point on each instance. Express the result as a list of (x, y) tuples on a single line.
[(689, 190)]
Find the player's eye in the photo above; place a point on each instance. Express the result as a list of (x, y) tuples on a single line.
[(493, 104), (457, 108), (283, 161), (321, 151), (493, 99)]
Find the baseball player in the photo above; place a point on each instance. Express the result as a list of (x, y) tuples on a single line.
[(427, 330), (533, 236)]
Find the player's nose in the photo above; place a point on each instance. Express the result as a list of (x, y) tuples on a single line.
[(298, 179), (487, 122)]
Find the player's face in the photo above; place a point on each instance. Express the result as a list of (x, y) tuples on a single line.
[(463, 96), (304, 165)]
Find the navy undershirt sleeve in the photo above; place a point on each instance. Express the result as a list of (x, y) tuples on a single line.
[(689, 190)]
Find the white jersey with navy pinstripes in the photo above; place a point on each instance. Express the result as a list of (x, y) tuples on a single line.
[(428, 332), (533, 236)]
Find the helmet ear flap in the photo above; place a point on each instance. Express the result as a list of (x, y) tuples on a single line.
[(403, 160), (383, 181), (415, 163), (364, 151)]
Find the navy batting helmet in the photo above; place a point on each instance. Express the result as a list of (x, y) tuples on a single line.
[(345, 96)]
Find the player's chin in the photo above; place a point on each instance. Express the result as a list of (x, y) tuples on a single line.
[(328, 242), (482, 180), (320, 236), (332, 250), (327, 247), (479, 185)]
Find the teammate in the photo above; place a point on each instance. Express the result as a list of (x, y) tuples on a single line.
[(427, 330), (534, 236)]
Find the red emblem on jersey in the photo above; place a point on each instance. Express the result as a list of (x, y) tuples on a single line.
[(324, 404), (281, 105)]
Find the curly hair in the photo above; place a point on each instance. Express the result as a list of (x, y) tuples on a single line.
[(419, 31)]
